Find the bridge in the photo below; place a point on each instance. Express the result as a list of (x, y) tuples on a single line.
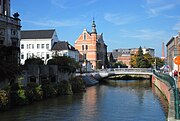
[(121, 71), (164, 82)]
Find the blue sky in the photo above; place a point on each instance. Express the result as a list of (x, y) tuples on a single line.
[(124, 23)]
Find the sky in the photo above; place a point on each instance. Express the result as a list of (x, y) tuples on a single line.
[(124, 23)]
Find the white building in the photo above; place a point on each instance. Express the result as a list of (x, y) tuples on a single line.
[(63, 48), (37, 43), (148, 50)]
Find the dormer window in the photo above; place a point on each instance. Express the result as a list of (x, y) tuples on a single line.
[(84, 36)]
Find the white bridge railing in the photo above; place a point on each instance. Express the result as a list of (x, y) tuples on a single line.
[(146, 70)]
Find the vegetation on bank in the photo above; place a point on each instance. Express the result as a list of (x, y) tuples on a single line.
[(141, 60), (17, 95)]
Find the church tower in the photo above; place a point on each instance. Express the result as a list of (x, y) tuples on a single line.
[(94, 33)]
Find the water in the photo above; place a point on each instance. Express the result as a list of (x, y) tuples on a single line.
[(116, 101)]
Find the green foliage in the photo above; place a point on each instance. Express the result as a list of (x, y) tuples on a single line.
[(8, 63), (140, 60), (4, 100), (119, 64), (64, 63), (64, 88), (159, 62), (18, 96), (34, 61), (78, 84), (34, 92), (48, 88)]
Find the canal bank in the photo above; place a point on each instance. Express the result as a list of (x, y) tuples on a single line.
[(98, 103), (169, 94), (18, 95)]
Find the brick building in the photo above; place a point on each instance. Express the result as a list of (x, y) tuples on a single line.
[(172, 51), (92, 48)]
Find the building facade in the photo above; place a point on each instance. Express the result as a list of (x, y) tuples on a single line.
[(63, 48), (92, 48), (172, 51), (124, 54), (9, 29), (37, 43), (9, 43)]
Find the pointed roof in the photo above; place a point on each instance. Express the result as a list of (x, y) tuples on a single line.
[(62, 45), (93, 27)]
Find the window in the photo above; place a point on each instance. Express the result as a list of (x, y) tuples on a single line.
[(29, 46), (38, 54), (82, 47), (13, 32), (38, 46), (47, 46), (22, 56), (42, 46), (32, 46), (86, 47), (42, 55), (22, 46), (84, 36), (47, 55)]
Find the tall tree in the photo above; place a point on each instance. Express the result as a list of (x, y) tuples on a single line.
[(140, 61)]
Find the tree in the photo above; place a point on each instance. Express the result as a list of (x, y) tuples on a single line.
[(119, 64), (141, 60), (34, 61), (159, 62), (133, 61), (64, 63), (8, 63)]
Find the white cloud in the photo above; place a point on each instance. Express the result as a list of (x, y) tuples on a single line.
[(159, 7), (58, 3), (157, 10), (118, 19), (53, 23), (144, 34), (69, 4), (177, 26)]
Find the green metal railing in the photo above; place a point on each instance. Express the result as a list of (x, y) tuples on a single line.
[(167, 78)]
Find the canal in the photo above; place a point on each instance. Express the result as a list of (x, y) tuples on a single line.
[(115, 101)]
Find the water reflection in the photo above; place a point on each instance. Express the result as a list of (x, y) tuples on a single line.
[(115, 101)]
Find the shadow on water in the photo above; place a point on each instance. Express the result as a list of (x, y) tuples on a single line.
[(161, 98), (42, 110), (140, 85), (129, 83)]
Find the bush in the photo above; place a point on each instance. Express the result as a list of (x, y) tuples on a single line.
[(78, 84), (64, 88), (48, 89), (18, 96), (34, 92), (4, 100)]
